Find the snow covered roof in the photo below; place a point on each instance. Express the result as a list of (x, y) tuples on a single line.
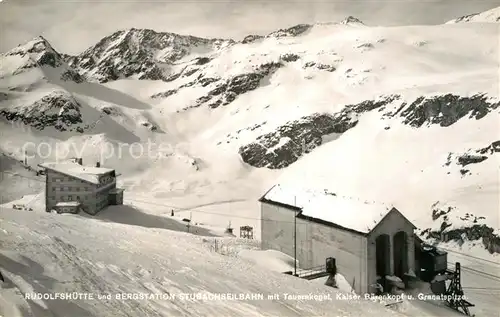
[(346, 212), (68, 204), (87, 173)]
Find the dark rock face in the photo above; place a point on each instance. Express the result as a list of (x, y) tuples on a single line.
[(476, 157), (293, 31), (303, 135), (49, 59), (494, 147), (289, 57), (447, 109), (465, 18), (71, 75), (110, 111), (205, 81), (328, 68), (53, 110), (200, 80), (202, 60), (165, 94), (190, 72), (251, 39), (470, 159), (472, 231), (289, 32), (150, 126), (228, 91), (350, 19)]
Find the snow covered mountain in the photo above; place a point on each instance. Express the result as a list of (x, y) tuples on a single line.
[(490, 16), (269, 103), (143, 53), (406, 116)]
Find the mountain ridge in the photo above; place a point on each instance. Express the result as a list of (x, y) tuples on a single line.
[(266, 104)]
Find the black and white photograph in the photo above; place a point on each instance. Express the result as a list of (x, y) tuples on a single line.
[(234, 158)]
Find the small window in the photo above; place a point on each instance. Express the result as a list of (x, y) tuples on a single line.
[(70, 198), (77, 189), (70, 188), (62, 198), (77, 197), (61, 188), (53, 188)]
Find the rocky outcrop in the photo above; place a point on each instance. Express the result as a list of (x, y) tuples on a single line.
[(471, 229), (71, 75), (57, 109), (202, 60), (296, 30), (490, 16), (319, 66), (289, 142), (351, 20), (150, 126), (494, 147), (251, 38), (467, 159), (447, 109), (443, 110), (165, 94), (472, 157), (226, 92), (289, 57), (200, 80)]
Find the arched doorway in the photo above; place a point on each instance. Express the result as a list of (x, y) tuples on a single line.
[(383, 255), (400, 255)]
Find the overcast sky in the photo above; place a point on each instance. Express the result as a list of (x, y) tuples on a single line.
[(73, 25)]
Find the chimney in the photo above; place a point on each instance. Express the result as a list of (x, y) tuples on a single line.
[(98, 164), (80, 161)]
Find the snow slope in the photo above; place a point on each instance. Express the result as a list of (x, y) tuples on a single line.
[(45, 253)]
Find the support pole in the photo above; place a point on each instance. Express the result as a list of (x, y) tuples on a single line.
[(295, 238)]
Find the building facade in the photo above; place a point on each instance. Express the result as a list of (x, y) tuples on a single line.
[(93, 188), (364, 258)]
